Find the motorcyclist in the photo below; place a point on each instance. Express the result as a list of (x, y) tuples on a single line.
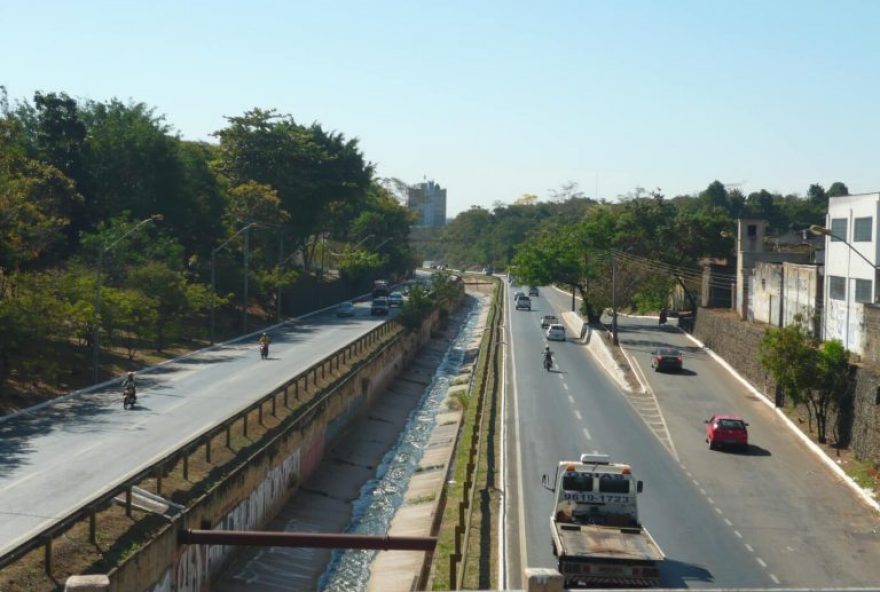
[(664, 314), (128, 384), (548, 355), (264, 343)]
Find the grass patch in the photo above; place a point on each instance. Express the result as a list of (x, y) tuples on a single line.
[(455, 491)]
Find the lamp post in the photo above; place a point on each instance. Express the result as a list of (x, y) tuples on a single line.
[(214, 278), (105, 249), (823, 231)]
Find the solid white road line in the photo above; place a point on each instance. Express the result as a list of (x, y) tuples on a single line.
[(523, 551), (502, 476)]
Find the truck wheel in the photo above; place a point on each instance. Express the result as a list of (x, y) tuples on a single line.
[(553, 546)]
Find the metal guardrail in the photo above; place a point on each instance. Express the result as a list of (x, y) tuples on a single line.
[(90, 508)]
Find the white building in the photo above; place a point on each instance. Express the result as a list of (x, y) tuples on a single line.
[(851, 256), (428, 200)]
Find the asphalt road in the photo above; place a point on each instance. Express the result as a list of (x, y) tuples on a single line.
[(56, 458), (772, 517)]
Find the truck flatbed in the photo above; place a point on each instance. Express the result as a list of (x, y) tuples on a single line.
[(607, 542)]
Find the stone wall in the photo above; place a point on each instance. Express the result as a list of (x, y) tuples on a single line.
[(856, 425), (253, 494), (871, 354), (736, 341)]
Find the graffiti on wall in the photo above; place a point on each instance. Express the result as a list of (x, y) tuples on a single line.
[(195, 565)]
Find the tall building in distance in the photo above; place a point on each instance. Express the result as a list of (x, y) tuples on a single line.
[(428, 201)]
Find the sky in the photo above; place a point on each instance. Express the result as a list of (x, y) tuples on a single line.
[(494, 99)]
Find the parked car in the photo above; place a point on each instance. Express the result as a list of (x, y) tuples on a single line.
[(548, 320), (395, 299), (727, 430), (666, 358), (379, 307), (556, 332), (533, 291), (523, 303), (345, 309)]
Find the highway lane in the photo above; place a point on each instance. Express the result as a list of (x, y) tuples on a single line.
[(788, 506), (577, 408), (54, 459)]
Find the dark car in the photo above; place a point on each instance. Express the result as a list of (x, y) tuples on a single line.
[(727, 430), (533, 291), (666, 358), (379, 307)]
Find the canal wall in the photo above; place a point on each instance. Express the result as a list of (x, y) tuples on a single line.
[(250, 496)]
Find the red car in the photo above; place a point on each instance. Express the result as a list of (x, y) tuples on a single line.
[(727, 430)]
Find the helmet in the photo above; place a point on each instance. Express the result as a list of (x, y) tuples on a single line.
[(546, 348), (131, 374)]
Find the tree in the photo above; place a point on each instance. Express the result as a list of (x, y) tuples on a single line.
[(310, 168), (817, 196), (831, 383), (787, 353), (838, 189), (174, 297)]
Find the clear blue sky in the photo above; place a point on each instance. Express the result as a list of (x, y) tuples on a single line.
[(494, 99)]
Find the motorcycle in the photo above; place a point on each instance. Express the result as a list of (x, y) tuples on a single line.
[(129, 398), (548, 363), (663, 316), (264, 351)]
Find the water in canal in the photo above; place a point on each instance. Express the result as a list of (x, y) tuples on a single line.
[(380, 497)]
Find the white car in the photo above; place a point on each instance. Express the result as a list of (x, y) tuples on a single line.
[(556, 332)]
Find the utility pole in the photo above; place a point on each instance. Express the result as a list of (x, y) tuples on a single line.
[(244, 312), (614, 338)]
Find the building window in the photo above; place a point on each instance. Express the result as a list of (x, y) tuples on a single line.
[(752, 230), (838, 229), (837, 287), (862, 230), (863, 291)]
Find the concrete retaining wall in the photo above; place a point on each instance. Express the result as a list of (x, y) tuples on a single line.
[(251, 496)]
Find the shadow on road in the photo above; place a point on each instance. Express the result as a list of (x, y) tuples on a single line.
[(676, 574)]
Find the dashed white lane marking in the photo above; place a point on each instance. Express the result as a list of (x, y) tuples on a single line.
[(578, 415), (571, 399), (703, 491), (749, 547), (729, 523), (710, 500), (718, 510), (587, 434), (737, 533), (565, 386), (774, 578), (761, 561), (697, 483)]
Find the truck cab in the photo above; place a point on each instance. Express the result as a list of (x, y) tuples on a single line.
[(596, 491)]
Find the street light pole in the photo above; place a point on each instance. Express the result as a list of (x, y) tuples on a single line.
[(213, 275), (96, 349)]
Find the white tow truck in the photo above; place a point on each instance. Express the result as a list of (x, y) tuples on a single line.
[(595, 529)]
